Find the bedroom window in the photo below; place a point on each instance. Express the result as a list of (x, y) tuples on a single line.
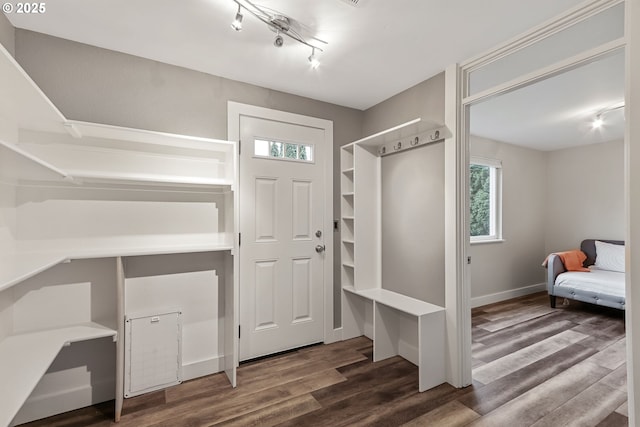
[(485, 191)]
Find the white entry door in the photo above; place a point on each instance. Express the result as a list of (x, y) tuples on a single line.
[(282, 236)]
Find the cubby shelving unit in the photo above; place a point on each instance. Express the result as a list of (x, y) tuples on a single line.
[(397, 324), (97, 195)]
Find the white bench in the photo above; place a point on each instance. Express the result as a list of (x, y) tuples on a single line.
[(390, 309)]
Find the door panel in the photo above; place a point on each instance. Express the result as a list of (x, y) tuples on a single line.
[(281, 210)]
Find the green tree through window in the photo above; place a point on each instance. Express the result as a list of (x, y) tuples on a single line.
[(480, 188)]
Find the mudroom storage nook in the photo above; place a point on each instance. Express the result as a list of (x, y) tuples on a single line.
[(110, 238), (397, 324)]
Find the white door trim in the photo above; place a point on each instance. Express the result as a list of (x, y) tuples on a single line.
[(458, 286), (235, 110)]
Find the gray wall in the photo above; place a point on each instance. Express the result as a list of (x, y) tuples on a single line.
[(424, 100), (514, 263), (585, 191), (98, 85), (413, 196), (7, 34)]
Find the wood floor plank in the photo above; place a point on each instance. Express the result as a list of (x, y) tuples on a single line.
[(613, 356), (523, 339), (587, 409), (412, 406), (534, 404), (537, 369), (275, 414), (614, 420), (617, 379), (364, 380), (452, 414), (521, 358), (485, 399), (346, 411), (216, 411), (623, 409)]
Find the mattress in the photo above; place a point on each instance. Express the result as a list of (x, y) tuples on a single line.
[(602, 282)]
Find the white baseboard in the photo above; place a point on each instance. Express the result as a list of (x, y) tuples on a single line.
[(505, 295), (46, 405), (334, 335), (202, 368)]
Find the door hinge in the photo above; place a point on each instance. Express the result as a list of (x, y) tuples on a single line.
[(239, 147), (239, 238), (468, 260), (238, 331)]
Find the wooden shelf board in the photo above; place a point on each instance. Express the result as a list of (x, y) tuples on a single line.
[(27, 356)]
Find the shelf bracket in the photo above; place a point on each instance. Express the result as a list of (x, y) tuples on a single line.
[(72, 130)]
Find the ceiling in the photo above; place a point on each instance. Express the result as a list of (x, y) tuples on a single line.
[(375, 49)]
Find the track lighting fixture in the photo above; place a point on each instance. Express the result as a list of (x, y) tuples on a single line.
[(313, 59), (282, 25), (237, 23), (279, 41), (598, 122)]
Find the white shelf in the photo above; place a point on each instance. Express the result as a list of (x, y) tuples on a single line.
[(348, 171), (350, 194), (17, 164), (23, 103), (401, 131), (140, 179), (26, 357), (351, 242), (146, 140), (17, 267), (349, 218), (400, 302), (35, 257), (348, 264)]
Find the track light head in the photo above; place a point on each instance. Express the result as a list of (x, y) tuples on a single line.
[(598, 122), (237, 22), (313, 59), (279, 41)]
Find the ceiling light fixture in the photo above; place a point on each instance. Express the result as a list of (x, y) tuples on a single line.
[(237, 23), (313, 59), (282, 25), (598, 122)]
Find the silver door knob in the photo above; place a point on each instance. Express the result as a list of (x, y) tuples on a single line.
[(320, 248)]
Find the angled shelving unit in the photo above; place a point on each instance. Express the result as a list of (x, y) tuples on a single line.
[(72, 190), (397, 324)]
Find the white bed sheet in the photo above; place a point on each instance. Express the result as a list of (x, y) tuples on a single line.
[(599, 281)]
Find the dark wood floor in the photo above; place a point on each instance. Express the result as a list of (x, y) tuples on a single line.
[(533, 366)]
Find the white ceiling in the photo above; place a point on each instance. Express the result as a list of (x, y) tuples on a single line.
[(558, 112), (375, 50)]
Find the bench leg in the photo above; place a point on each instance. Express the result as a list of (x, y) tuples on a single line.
[(552, 301)]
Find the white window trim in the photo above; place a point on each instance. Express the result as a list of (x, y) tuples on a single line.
[(496, 200)]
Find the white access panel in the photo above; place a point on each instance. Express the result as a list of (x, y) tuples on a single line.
[(153, 356)]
